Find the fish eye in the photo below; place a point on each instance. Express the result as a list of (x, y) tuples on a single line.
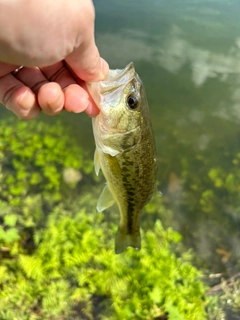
[(132, 101)]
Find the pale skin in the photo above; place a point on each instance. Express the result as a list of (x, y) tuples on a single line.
[(54, 41)]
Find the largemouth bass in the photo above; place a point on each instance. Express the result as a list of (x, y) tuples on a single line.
[(125, 150)]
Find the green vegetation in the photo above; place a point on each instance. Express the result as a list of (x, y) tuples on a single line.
[(56, 253)]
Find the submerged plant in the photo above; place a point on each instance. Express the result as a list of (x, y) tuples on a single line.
[(34, 158), (56, 253), (74, 263)]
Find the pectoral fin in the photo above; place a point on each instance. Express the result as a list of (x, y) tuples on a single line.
[(105, 200), (97, 162)]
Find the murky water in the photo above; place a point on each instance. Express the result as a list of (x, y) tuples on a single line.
[(188, 56)]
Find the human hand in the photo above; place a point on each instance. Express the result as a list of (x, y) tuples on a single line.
[(54, 41)]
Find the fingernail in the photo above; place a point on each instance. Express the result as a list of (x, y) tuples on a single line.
[(56, 103), (104, 69), (27, 100), (92, 110)]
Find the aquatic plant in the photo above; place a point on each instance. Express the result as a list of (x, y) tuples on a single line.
[(33, 159), (74, 265), (56, 253), (205, 207)]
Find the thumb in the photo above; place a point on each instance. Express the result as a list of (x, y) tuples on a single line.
[(87, 64), (85, 60)]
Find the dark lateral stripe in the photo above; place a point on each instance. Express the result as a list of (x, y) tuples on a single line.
[(130, 215)]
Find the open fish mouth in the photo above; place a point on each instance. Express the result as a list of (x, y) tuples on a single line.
[(110, 90), (121, 75), (117, 78)]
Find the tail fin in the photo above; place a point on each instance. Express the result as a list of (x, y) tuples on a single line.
[(124, 240)]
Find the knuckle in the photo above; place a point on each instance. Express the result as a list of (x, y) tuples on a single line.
[(56, 75), (7, 96), (38, 85)]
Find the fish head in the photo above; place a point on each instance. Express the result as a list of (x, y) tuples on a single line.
[(121, 99)]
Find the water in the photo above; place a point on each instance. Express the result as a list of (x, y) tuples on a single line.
[(188, 55)]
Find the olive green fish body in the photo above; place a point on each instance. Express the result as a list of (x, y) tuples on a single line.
[(125, 151)]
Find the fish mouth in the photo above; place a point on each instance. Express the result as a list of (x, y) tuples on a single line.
[(111, 89), (117, 78), (118, 75)]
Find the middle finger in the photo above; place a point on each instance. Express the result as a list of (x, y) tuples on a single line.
[(35, 79)]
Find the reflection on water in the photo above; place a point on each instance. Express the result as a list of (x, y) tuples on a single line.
[(173, 53)]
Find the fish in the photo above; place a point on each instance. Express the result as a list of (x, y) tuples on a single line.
[(125, 150)]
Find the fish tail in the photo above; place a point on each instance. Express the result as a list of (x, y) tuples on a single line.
[(124, 240)]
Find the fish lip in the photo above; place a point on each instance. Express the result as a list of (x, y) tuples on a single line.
[(117, 74), (117, 78)]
